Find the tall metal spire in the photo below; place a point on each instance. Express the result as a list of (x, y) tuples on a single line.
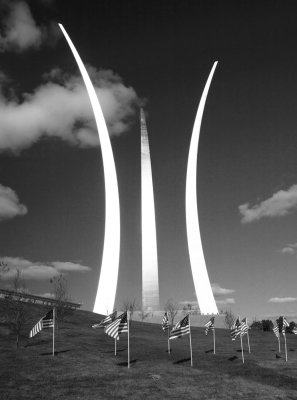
[(106, 292), (150, 281), (202, 285)]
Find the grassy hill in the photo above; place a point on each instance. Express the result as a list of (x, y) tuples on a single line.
[(85, 366)]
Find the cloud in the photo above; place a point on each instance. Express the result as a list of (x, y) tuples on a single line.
[(279, 204), (282, 299), (218, 290), (38, 270), (226, 301), (19, 29), (47, 294), (10, 205), (61, 108), (290, 248)]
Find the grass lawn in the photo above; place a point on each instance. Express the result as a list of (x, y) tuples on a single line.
[(85, 366)]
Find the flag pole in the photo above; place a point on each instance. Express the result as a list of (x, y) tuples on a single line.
[(214, 341), (128, 318), (279, 349), (115, 347), (248, 340), (190, 342), (286, 347), (241, 349), (54, 318), (168, 340)]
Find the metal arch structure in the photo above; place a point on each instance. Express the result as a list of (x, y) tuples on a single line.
[(106, 292), (150, 280), (202, 285)]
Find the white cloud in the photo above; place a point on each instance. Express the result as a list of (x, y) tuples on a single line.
[(218, 290), (47, 294), (10, 205), (226, 301), (279, 204), (61, 108), (20, 31), (38, 270), (288, 250), (282, 299)]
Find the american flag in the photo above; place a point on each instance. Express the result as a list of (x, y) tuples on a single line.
[(276, 329), (118, 326), (243, 327), (285, 324), (107, 320), (235, 329), (165, 322), (181, 328), (45, 322), (209, 325)]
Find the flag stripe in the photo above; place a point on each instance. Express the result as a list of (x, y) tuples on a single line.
[(165, 322), (106, 321), (118, 326), (45, 322), (181, 328), (209, 325)]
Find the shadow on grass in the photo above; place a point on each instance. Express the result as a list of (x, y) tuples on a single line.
[(233, 358), (56, 352), (209, 351), (291, 349), (40, 342), (182, 361), (112, 351), (125, 363)]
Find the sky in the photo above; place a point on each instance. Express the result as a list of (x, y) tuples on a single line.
[(157, 54)]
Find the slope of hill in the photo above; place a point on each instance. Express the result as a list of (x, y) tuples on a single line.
[(85, 366)]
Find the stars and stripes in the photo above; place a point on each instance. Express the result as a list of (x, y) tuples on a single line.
[(118, 326), (45, 322), (165, 322), (276, 329), (181, 328), (243, 327), (106, 321), (209, 325), (235, 330), (284, 325)]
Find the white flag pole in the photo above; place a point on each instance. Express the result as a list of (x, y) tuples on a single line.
[(241, 349), (214, 341), (115, 347), (128, 323), (168, 330), (248, 340), (190, 342), (286, 347), (279, 349), (54, 318)]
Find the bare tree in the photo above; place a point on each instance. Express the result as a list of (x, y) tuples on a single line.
[(129, 305), (61, 296), (172, 310), (143, 314), (3, 268), (229, 318), (15, 308)]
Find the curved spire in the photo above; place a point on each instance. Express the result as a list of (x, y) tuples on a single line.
[(104, 303), (203, 289)]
